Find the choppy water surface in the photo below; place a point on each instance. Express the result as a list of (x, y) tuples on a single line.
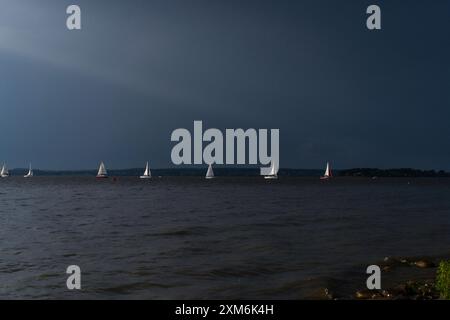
[(185, 237)]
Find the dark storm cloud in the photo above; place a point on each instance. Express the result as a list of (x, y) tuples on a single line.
[(139, 69)]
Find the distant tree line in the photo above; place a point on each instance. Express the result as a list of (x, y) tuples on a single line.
[(224, 171), (401, 172)]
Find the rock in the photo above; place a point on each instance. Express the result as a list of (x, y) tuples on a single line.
[(423, 263), (329, 294), (391, 260), (387, 268), (363, 294), (390, 263), (394, 292), (368, 294), (322, 294), (387, 294), (400, 289)]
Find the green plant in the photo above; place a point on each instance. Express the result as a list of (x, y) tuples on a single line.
[(443, 279)]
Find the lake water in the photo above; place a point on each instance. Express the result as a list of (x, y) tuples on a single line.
[(230, 238)]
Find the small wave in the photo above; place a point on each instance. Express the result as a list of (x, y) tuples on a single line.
[(135, 286), (243, 271), (178, 232), (45, 276)]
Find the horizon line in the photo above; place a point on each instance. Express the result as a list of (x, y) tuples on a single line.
[(200, 167)]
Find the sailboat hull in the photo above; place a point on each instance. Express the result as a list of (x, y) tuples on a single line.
[(145, 177), (102, 177), (325, 178), (270, 177)]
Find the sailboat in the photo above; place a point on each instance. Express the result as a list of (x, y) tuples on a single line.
[(4, 173), (102, 173), (273, 174), (210, 172), (30, 173), (327, 175), (147, 173)]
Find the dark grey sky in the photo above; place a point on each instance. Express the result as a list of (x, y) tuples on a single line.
[(115, 90)]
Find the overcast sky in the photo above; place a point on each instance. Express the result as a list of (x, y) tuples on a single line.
[(137, 70)]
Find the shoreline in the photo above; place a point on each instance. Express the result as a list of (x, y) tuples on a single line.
[(223, 171), (402, 278)]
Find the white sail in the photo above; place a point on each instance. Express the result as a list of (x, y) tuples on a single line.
[(30, 172), (273, 170), (4, 172), (327, 171), (210, 172), (102, 171), (147, 172)]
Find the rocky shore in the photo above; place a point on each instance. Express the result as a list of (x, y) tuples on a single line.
[(402, 279), (422, 287)]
